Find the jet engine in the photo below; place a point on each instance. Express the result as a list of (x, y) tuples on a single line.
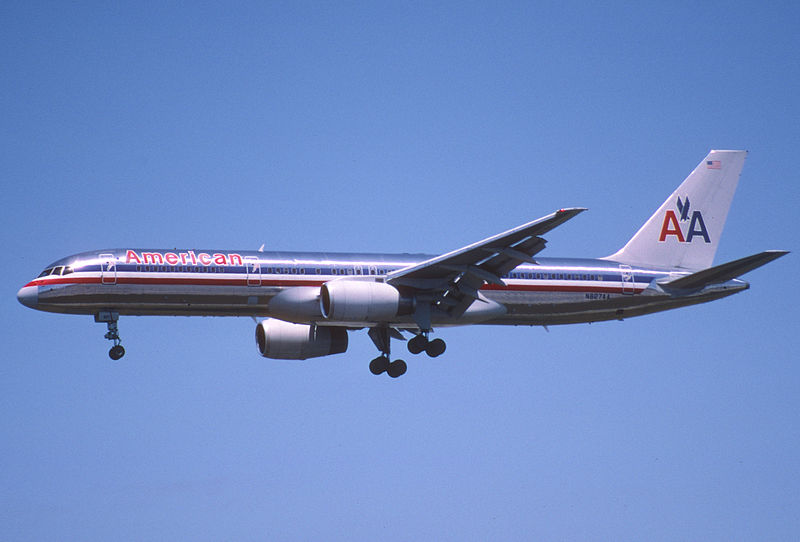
[(277, 339), (361, 301)]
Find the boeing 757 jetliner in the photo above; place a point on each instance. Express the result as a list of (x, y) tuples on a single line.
[(310, 302)]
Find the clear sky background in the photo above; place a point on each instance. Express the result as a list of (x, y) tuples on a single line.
[(396, 128)]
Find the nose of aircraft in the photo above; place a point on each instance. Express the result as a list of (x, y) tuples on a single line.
[(29, 296)]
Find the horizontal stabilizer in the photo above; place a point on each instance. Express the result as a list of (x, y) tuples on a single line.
[(723, 273)]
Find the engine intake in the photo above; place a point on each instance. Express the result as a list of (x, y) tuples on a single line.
[(277, 339), (361, 301)]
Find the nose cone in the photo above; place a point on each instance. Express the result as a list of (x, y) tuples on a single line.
[(29, 296)]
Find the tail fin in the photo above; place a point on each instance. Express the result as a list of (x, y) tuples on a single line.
[(685, 231)]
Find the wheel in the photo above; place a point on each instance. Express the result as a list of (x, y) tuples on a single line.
[(397, 368), (417, 344), (379, 365), (435, 348), (116, 352)]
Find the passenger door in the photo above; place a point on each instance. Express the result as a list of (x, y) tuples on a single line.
[(253, 269), (108, 269), (627, 279)]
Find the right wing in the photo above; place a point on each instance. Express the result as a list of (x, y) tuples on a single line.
[(453, 279)]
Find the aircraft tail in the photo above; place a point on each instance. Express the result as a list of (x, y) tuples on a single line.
[(685, 231)]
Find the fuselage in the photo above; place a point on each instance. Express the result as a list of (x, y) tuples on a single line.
[(250, 283)]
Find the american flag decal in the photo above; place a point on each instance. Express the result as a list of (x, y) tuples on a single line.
[(713, 164)]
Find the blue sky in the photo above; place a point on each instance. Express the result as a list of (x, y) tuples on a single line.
[(396, 127)]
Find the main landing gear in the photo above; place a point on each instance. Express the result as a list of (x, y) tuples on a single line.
[(111, 318), (381, 336), (434, 348)]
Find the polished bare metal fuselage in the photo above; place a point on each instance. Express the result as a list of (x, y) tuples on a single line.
[(553, 291)]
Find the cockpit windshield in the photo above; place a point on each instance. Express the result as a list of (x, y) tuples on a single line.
[(60, 270)]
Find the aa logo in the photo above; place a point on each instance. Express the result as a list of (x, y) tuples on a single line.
[(672, 226)]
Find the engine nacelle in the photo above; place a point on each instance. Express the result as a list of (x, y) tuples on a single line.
[(361, 301), (277, 339)]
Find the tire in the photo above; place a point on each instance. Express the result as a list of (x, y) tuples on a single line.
[(435, 348), (379, 365), (116, 352), (417, 344), (397, 368)]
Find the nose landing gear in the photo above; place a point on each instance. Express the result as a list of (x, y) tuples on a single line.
[(111, 318)]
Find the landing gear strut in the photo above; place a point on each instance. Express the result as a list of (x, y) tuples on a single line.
[(111, 318), (382, 339)]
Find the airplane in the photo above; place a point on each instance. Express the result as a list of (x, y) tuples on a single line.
[(305, 304)]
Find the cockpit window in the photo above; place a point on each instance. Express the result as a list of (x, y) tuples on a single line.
[(58, 270), (46, 272), (67, 270)]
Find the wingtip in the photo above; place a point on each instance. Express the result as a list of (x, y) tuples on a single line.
[(572, 210), (778, 253)]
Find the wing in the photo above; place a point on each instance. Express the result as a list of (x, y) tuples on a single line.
[(454, 279)]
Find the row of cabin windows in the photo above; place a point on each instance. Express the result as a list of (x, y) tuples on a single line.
[(319, 271), (180, 268), (556, 276), (267, 270), (66, 270), (60, 270), (344, 271)]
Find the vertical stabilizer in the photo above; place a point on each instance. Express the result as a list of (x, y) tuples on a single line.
[(685, 231)]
